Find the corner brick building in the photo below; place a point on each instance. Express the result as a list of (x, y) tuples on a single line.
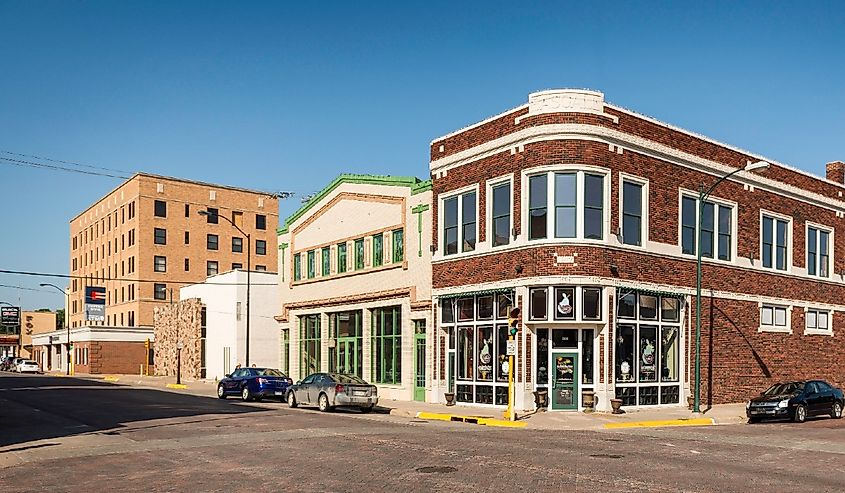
[(584, 215)]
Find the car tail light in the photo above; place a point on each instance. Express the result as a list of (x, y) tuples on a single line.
[(339, 389), (263, 381), (375, 390)]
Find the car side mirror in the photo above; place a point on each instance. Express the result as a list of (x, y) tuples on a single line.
[(228, 375), (298, 382)]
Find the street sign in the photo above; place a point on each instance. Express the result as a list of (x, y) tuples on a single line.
[(95, 303), (511, 349), (10, 315)]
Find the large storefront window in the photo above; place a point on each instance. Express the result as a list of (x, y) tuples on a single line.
[(345, 343), (309, 345), (646, 349), (387, 345), (478, 331)]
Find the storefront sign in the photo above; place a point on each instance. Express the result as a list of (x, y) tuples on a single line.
[(10, 316)]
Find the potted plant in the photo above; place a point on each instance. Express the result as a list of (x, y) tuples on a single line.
[(616, 404), (450, 398), (588, 397), (690, 401)]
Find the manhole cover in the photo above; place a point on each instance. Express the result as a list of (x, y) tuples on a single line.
[(436, 469), (607, 456)]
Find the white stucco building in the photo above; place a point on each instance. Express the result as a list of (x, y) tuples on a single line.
[(355, 276), (224, 300)]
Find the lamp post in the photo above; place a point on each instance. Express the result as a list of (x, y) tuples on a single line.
[(67, 318), (702, 196), (248, 269)]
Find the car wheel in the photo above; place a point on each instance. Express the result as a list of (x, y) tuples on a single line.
[(221, 392), (246, 395), (751, 421), (367, 409), (323, 403), (836, 410), (800, 414), (292, 399)]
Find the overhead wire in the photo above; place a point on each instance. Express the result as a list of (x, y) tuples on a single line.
[(126, 279)]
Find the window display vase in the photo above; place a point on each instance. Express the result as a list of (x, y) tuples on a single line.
[(450, 398), (588, 397), (616, 404)]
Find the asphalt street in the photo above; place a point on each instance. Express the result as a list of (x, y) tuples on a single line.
[(66, 434)]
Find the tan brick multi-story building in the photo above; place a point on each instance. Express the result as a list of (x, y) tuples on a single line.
[(585, 215), (146, 238)]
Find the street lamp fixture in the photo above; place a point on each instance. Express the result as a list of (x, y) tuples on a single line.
[(67, 317), (702, 196), (248, 269)]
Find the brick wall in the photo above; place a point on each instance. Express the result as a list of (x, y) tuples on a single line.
[(114, 357)]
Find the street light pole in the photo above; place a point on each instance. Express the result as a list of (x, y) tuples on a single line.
[(248, 269), (702, 196), (67, 318)]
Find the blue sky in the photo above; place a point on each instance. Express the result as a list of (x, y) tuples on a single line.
[(285, 96)]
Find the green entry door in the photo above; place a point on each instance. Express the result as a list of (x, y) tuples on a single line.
[(348, 359), (419, 367), (564, 394)]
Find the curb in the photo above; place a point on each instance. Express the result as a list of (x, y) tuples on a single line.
[(176, 386), (111, 378), (478, 420), (662, 422)]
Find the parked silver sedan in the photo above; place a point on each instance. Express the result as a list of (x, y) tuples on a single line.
[(328, 390)]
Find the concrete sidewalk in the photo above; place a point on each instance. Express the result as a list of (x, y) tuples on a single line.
[(653, 417)]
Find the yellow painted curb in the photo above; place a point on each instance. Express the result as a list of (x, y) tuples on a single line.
[(478, 420), (176, 386), (662, 422), (111, 379)]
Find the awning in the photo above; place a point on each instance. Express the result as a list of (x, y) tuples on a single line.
[(480, 292), (623, 290)]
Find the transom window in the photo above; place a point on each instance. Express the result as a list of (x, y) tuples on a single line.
[(459, 223), (775, 242), (576, 200), (716, 228), (818, 248)]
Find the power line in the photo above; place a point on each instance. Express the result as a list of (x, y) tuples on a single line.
[(62, 162), (24, 288), (123, 279), (30, 164)]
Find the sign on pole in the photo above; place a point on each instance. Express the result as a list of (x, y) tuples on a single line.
[(511, 349), (10, 315), (95, 303)]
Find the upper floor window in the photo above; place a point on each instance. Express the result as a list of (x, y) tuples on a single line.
[(632, 213), (817, 321), (459, 223), (378, 250), (211, 217), (260, 268), (237, 244), (160, 291), (260, 247), (212, 242), (359, 253), (501, 214), (160, 236), (160, 208), (774, 318), (187, 210), (312, 264), (211, 267), (775, 242), (716, 228), (325, 260), (260, 221), (341, 258), (297, 267), (577, 202), (159, 263), (818, 248), (398, 237)]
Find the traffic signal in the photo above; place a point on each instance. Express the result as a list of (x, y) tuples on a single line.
[(147, 344), (513, 321)]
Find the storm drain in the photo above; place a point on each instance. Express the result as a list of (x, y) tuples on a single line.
[(436, 469), (607, 456)]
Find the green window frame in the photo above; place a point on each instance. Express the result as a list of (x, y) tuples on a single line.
[(378, 250), (309, 345), (341, 258), (297, 267), (387, 345), (398, 245), (312, 264), (359, 254), (325, 258)]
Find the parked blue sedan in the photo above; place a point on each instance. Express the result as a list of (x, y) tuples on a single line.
[(254, 383)]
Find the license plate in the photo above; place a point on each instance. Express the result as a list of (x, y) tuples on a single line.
[(279, 392), (360, 392)]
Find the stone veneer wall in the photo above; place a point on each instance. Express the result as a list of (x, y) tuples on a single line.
[(179, 321)]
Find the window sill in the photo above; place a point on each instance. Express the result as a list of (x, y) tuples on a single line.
[(778, 330), (817, 332)]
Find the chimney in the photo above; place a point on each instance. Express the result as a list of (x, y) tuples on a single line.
[(836, 172)]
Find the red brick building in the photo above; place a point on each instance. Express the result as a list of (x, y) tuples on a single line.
[(585, 215)]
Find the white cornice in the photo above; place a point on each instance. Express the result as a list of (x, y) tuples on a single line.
[(570, 131)]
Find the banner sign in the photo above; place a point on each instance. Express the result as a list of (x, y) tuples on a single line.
[(10, 315), (95, 303)]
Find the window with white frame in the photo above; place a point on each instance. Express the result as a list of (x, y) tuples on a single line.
[(459, 223), (818, 248), (500, 214), (775, 242), (816, 320), (576, 200), (774, 318), (716, 228), (632, 212)]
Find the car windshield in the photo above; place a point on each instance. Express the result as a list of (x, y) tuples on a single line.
[(784, 389), (347, 379), (269, 372), (28, 362)]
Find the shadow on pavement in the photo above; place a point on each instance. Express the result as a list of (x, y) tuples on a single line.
[(41, 407)]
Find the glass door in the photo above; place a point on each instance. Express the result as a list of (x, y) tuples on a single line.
[(348, 361), (564, 394), (419, 367)]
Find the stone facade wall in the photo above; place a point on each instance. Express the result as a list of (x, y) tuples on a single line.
[(173, 323)]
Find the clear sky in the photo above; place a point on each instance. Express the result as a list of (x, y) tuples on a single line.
[(286, 95)]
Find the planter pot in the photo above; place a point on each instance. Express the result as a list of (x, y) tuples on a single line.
[(691, 402), (450, 398), (541, 399), (616, 404), (588, 397)]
